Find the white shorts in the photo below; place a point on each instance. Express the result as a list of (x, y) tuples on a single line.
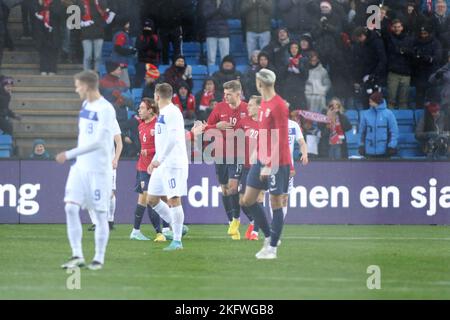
[(114, 177), (91, 190), (170, 182)]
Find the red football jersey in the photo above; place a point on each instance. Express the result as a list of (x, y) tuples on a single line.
[(274, 114), (250, 128), (223, 112), (147, 139)]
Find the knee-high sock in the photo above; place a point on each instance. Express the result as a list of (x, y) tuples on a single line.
[(92, 216), (227, 206), (177, 222), (277, 226), (112, 208), (257, 212), (235, 207), (247, 214), (74, 229), (154, 218), (101, 236), (164, 211), (285, 209), (138, 214)]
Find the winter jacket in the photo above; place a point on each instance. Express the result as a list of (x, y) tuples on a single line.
[(123, 49), (379, 130), (5, 99), (427, 57), (428, 127), (174, 76), (257, 15), (216, 17), (442, 78), (148, 47), (399, 53), (97, 30), (190, 102), (423, 5), (297, 17), (45, 38), (318, 82), (346, 126)]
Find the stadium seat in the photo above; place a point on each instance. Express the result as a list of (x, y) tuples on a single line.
[(408, 146), (198, 84), (5, 139), (137, 96), (405, 120), (242, 68), (107, 49), (199, 71), (102, 70), (192, 60), (418, 114), (163, 67), (212, 69), (235, 26), (5, 154)]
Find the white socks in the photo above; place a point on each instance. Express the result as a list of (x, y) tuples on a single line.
[(112, 208), (177, 222), (164, 211), (74, 229), (101, 236)]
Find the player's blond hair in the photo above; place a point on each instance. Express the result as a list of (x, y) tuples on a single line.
[(258, 99), (164, 91), (88, 77), (233, 85)]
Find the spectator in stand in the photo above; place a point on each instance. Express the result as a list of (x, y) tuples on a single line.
[(116, 91), (185, 100), (313, 136), (7, 40), (226, 73), (253, 62), (297, 16), (27, 18), (151, 79), (149, 49), (39, 151), (427, 6), (295, 75), (249, 78), (412, 18), (440, 21), (306, 45), (278, 49), (48, 14), (257, 15), (435, 122), (427, 57), (6, 114), (216, 13), (334, 132), (440, 80), (94, 15), (399, 47), (204, 98), (179, 71), (123, 50), (379, 129), (317, 85)]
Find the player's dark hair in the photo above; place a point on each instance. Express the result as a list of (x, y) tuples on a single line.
[(151, 104), (257, 99), (88, 77), (164, 90), (234, 85)]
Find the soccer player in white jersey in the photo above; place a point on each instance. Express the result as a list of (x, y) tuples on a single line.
[(117, 150), (89, 183), (169, 167)]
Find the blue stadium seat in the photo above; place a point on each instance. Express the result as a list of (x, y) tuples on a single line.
[(198, 84), (102, 70), (242, 68), (5, 139), (418, 114), (191, 48), (107, 49), (5, 154), (405, 120), (234, 25), (199, 70), (408, 146), (212, 69), (192, 60), (137, 96), (163, 67)]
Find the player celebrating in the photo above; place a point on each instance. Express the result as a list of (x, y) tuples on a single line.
[(148, 114), (89, 183), (273, 166), (169, 167), (224, 117)]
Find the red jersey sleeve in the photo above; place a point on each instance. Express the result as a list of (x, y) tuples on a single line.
[(120, 40)]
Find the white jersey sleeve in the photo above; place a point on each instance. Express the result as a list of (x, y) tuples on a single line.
[(295, 134)]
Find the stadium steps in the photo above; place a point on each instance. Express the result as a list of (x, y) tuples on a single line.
[(45, 103), (25, 80), (45, 92), (33, 69), (20, 56)]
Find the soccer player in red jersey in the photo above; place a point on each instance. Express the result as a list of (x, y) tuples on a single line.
[(224, 117), (273, 166), (148, 113)]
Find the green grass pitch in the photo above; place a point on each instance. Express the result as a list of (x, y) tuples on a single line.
[(314, 262)]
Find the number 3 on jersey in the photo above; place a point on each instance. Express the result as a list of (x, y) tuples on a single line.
[(90, 128)]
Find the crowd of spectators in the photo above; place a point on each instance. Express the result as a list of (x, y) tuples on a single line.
[(318, 49)]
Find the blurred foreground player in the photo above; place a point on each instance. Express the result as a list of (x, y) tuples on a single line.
[(89, 183)]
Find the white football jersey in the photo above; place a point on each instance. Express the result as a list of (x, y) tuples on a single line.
[(96, 117), (295, 134), (170, 141), (115, 131)]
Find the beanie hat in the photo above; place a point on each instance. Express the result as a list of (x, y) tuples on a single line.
[(152, 71), (111, 66)]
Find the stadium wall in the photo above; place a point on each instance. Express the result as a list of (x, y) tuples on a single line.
[(349, 192)]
